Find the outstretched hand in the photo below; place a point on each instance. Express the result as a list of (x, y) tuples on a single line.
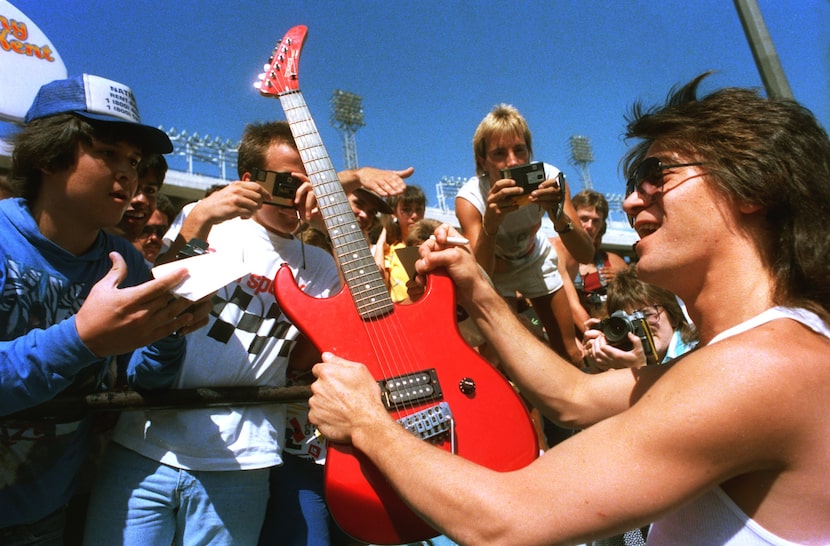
[(116, 320), (384, 182)]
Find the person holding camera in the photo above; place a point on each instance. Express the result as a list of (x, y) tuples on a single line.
[(502, 218), (590, 279), (203, 475), (726, 445), (646, 325)]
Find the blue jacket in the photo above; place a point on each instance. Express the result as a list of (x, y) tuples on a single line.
[(42, 286)]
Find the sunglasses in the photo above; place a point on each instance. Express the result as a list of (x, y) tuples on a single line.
[(648, 178), (158, 231)]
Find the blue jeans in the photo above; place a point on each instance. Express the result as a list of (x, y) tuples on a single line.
[(137, 501), (297, 514)]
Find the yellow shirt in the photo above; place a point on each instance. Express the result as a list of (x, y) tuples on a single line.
[(398, 276)]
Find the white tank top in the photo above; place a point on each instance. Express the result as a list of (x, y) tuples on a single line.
[(714, 518)]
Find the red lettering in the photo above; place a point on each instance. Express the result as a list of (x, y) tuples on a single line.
[(20, 46), (260, 283), (264, 284), (18, 28), (296, 430), (253, 280)]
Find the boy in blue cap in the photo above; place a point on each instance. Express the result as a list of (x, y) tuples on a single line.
[(73, 298)]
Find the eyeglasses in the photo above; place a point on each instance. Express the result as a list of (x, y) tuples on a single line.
[(651, 314), (648, 178), (157, 230)]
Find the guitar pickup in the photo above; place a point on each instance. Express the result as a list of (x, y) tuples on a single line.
[(429, 422), (405, 390)]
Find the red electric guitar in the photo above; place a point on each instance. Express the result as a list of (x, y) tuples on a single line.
[(433, 383)]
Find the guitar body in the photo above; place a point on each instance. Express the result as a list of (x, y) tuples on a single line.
[(432, 382), (492, 425)]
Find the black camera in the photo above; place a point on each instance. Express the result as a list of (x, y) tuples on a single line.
[(528, 177), (617, 326), (194, 247), (282, 186)]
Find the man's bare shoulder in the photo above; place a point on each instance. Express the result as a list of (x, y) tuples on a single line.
[(767, 377)]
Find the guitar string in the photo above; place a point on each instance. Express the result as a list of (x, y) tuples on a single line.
[(388, 338)]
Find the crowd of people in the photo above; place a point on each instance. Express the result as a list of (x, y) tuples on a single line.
[(690, 380)]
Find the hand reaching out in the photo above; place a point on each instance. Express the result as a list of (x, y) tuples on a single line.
[(116, 320)]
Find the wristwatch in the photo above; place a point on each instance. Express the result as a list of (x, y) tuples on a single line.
[(567, 229)]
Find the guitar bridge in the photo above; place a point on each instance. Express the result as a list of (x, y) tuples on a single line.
[(430, 422), (404, 390)]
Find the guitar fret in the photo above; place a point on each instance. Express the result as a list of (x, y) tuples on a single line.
[(360, 272)]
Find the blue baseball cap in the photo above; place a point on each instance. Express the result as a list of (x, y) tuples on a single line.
[(96, 98)]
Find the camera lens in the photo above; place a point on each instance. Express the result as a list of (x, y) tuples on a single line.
[(616, 330)]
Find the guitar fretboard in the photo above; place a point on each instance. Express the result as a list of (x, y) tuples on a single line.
[(351, 250)]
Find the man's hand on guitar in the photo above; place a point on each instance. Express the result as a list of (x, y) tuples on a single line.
[(345, 399), (458, 260)]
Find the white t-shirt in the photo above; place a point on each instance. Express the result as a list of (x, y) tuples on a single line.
[(246, 343)]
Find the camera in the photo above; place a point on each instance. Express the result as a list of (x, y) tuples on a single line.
[(617, 326), (282, 186), (528, 177), (194, 247)]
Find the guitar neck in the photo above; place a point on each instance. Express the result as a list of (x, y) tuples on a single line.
[(350, 247)]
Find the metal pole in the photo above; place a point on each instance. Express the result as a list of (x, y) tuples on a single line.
[(766, 59), (71, 407)]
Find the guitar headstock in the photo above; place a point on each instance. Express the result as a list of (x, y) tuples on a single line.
[(282, 71)]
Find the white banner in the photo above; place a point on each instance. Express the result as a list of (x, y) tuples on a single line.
[(27, 60)]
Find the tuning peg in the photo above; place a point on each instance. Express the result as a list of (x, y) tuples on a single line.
[(266, 67)]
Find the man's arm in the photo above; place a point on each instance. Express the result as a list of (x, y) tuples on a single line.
[(238, 199), (383, 182), (675, 442), (112, 321)]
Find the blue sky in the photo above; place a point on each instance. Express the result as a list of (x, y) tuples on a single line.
[(429, 71)]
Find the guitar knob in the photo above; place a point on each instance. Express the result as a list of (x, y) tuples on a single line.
[(467, 386)]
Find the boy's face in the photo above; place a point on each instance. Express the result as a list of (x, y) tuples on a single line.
[(100, 185), (591, 221), (142, 206)]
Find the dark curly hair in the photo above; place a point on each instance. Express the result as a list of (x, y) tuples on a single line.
[(768, 152)]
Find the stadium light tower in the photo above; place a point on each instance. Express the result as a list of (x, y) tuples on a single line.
[(204, 150), (581, 156), (347, 118)]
